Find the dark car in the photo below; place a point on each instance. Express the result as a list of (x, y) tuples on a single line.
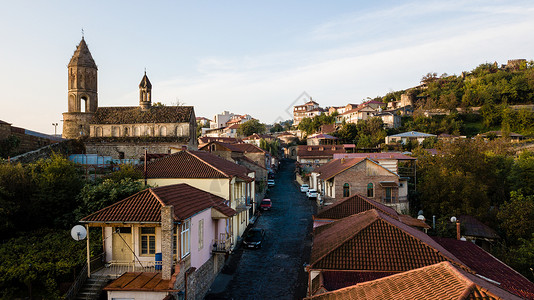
[(266, 204), (254, 238)]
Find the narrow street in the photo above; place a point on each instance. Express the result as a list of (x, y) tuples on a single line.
[(275, 271)]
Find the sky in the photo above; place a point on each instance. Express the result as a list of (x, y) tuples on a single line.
[(246, 57)]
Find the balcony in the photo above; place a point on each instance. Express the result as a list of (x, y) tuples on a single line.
[(223, 244), (114, 269), (394, 200)]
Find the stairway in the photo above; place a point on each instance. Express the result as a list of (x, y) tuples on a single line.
[(92, 288)]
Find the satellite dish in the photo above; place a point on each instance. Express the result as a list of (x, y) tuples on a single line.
[(78, 232), (420, 212), (421, 217), (453, 219)]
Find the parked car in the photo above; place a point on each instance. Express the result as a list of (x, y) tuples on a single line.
[(266, 204), (254, 238), (304, 188), (312, 194), (270, 182)]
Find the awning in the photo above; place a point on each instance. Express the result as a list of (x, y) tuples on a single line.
[(389, 184)]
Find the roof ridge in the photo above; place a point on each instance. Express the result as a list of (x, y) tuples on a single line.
[(451, 258), (157, 197), (211, 166), (113, 205)]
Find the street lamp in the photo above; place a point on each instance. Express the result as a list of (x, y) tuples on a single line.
[(55, 128)]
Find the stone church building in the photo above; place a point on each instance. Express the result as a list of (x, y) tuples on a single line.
[(122, 132)]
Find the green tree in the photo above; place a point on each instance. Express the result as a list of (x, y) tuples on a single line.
[(277, 128), (517, 216), (8, 146), (58, 182), (95, 196), (250, 127)]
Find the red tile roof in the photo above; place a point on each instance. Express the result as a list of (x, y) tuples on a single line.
[(306, 151), (145, 206), (475, 228), (356, 204), (336, 166), (376, 156), (373, 241), (437, 281), (195, 164), (140, 281), (488, 266)]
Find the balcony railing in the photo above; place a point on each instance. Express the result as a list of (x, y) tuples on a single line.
[(117, 268), (393, 200), (223, 244)]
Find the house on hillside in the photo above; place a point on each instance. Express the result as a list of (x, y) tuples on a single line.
[(356, 204), (157, 236), (321, 139), (407, 137), (342, 178), (212, 174), (368, 246), (390, 119), (256, 138), (308, 110), (514, 137)]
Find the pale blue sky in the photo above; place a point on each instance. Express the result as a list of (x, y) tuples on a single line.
[(252, 57)]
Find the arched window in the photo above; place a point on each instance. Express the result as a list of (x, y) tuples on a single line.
[(126, 131), (370, 190), (346, 190), (115, 131), (137, 131), (163, 131), (98, 131)]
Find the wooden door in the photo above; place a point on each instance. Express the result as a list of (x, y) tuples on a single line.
[(122, 244)]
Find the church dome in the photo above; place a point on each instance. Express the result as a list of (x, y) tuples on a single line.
[(82, 56)]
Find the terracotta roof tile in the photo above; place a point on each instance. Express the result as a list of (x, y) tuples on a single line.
[(356, 204), (474, 227), (135, 115), (195, 164), (336, 166), (145, 206), (140, 281), (373, 241), (437, 281), (488, 266), (377, 156)]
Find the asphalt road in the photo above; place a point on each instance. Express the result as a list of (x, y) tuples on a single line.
[(276, 271)]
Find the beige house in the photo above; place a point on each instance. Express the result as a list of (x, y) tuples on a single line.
[(158, 236), (342, 178), (212, 174)]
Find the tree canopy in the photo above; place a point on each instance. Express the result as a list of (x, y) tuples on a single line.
[(250, 127)]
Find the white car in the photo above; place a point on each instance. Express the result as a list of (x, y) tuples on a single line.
[(270, 182), (304, 188), (311, 193)]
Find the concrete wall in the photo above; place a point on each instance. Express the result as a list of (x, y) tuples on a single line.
[(131, 150), (137, 295)]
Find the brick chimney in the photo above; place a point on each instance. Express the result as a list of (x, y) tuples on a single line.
[(167, 227), (458, 235)]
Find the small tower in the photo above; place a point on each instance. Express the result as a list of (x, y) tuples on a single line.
[(145, 93), (82, 93)]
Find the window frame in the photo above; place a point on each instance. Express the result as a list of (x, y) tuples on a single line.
[(371, 189), (185, 238), (150, 241)]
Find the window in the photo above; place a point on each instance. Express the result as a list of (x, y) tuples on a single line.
[(346, 190), (126, 131), (174, 242), (185, 238), (200, 234), (370, 190), (163, 131), (148, 240)]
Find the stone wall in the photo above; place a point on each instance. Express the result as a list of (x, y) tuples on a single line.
[(152, 129), (199, 281), (66, 147), (131, 149)]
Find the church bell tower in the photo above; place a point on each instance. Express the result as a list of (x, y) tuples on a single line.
[(82, 93)]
